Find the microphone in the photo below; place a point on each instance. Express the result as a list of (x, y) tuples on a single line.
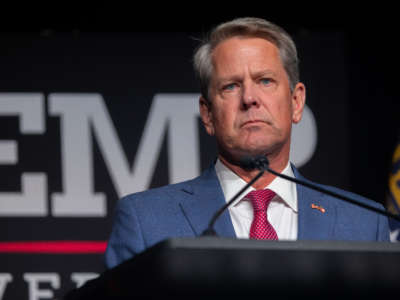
[(246, 162), (261, 163)]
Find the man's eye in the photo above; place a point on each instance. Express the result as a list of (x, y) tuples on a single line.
[(229, 87), (265, 81)]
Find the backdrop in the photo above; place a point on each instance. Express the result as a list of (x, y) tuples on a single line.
[(87, 117)]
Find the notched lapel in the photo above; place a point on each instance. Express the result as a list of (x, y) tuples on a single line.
[(317, 215), (203, 198)]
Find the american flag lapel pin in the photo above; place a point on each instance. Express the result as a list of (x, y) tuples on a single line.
[(320, 208)]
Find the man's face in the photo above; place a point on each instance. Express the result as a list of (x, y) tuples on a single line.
[(251, 106)]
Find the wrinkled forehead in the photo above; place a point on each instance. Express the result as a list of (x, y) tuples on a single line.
[(236, 54)]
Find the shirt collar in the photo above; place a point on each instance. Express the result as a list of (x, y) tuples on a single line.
[(232, 183)]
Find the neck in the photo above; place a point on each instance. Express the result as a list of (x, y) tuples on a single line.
[(277, 165)]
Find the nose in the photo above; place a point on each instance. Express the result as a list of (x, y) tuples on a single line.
[(249, 96)]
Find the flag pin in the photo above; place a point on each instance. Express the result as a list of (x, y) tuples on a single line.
[(320, 208)]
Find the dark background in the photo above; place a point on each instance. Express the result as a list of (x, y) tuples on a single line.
[(371, 53), (349, 63)]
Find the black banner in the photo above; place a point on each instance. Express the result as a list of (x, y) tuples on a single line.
[(86, 118)]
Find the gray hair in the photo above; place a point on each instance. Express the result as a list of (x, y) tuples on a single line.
[(246, 27)]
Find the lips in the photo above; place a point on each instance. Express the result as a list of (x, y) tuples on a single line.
[(253, 122)]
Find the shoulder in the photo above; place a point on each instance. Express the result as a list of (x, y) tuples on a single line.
[(354, 196), (363, 223), (352, 221), (168, 193), (338, 191), (154, 195)]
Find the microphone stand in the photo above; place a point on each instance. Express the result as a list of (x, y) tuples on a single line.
[(333, 194), (210, 229), (261, 163)]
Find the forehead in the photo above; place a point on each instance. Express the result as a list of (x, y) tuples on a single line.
[(236, 53)]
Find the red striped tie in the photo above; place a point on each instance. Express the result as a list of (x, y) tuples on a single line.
[(261, 229)]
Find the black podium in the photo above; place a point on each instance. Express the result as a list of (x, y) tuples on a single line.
[(205, 268)]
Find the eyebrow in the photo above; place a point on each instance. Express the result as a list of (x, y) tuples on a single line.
[(256, 74), (264, 73)]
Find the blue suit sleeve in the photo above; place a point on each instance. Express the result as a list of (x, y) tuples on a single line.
[(126, 238)]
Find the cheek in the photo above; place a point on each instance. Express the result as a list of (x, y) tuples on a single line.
[(224, 119), (284, 109)]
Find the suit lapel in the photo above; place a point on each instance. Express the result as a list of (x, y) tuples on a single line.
[(317, 214), (204, 198)]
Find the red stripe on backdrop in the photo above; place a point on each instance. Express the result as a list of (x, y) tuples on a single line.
[(54, 247)]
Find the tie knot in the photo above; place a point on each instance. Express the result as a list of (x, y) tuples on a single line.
[(260, 199)]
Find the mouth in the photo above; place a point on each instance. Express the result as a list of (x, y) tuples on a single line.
[(253, 123)]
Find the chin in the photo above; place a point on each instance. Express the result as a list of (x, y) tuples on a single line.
[(257, 146), (252, 151), (260, 148)]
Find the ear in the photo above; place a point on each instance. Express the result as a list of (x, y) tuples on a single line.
[(298, 102), (206, 115)]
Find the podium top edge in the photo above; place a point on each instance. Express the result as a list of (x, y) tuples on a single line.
[(246, 244)]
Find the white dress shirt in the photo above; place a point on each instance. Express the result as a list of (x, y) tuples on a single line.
[(282, 211)]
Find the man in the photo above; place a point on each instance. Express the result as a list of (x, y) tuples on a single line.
[(251, 95)]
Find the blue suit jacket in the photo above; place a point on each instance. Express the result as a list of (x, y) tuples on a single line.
[(184, 210)]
